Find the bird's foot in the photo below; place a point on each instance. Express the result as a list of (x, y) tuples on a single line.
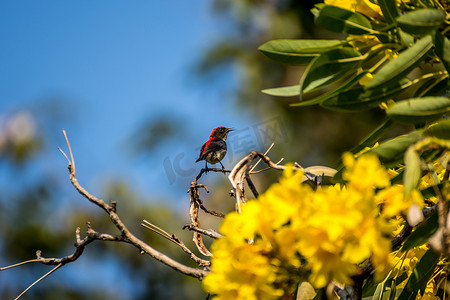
[(223, 168)]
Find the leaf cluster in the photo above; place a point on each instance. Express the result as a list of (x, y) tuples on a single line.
[(397, 61), (403, 57)]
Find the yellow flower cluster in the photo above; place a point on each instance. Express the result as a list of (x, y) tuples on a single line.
[(363, 6), (406, 261), (293, 233)]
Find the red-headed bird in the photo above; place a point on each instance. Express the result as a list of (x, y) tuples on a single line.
[(214, 150)]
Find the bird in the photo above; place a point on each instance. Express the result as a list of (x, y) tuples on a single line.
[(215, 149)]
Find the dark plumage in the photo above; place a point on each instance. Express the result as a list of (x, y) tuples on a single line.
[(215, 149)]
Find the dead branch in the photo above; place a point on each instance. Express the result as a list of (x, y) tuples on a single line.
[(125, 236), (208, 232), (125, 233), (242, 171), (173, 238)]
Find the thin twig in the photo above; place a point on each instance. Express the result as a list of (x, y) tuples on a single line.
[(19, 264), (174, 239), (259, 160), (209, 232), (42, 277), (68, 160), (201, 262), (155, 228), (72, 161), (267, 168), (211, 212)]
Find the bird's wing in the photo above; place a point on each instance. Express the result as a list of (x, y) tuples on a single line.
[(200, 157), (214, 144)]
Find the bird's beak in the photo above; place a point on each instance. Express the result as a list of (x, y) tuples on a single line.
[(229, 129)]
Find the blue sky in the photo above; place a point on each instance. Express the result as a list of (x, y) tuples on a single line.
[(109, 66), (112, 65)]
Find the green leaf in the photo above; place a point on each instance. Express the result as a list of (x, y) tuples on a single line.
[(287, 91), (419, 110), (422, 233), (362, 99), (433, 86), (341, 20), (421, 21), (328, 67), (389, 10), (437, 88), (383, 290), (442, 47), (440, 130), (373, 137), (297, 52), (348, 84), (404, 63), (420, 276), (392, 151), (369, 287), (430, 191), (407, 39), (413, 172)]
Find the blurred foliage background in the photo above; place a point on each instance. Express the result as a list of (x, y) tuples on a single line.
[(40, 210)]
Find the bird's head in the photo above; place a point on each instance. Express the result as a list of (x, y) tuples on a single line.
[(220, 132)]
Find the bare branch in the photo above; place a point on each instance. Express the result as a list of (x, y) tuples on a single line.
[(194, 257), (125, 236), (211, 212), (79, 248), (251, 185), (241, 171), (259, 160), (132, 239), (267, 168), (173, 238), (209, 232), (195, 202)]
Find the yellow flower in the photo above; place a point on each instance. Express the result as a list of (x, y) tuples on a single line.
[(365, 173), (429, 293), (366, 79), (439, 168), (292, 233), (390, 54), (363, 6), (394, 201), (406, 261), (386, 105), (369, 9)]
